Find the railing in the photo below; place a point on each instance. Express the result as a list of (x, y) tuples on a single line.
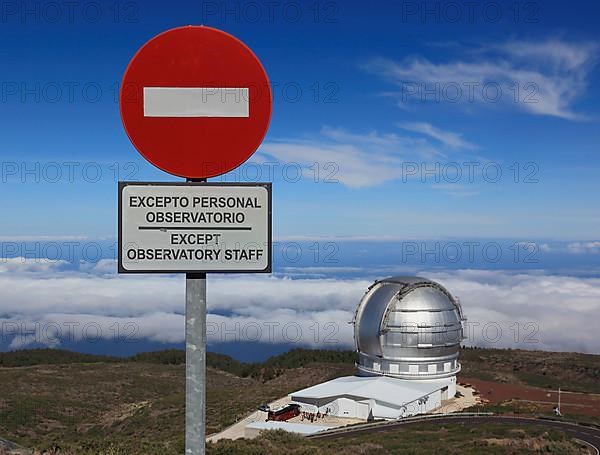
[(426, 374)]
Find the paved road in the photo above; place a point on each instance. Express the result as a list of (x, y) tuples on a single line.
[(590, 435)]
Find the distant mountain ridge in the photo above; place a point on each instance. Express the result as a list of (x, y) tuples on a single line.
[(268, 369), (568, 370)]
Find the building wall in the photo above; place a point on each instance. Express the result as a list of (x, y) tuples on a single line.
[(336, 406), (428, 404), (376, 366), (347, 407), (361, 408), (310, 404), (452, 387)]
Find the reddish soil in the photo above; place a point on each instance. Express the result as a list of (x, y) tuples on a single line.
[(541, 399)]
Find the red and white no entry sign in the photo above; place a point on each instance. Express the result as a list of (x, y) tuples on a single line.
[(195, 102)]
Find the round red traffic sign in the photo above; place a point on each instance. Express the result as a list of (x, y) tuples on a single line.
[(195, 102)]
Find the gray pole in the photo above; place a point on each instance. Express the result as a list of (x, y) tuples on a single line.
[(195, 362)]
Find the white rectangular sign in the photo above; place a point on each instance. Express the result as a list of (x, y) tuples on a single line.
[(194, 227), (196, 102)]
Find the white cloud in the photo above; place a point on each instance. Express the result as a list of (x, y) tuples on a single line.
[(37, 287), (452, 140), (554, 53), (544, 247), (53, 329), (584, 247), (541, 310), (551, 312), (363, 160), (25, 265), (103, 266), (41, 238), (542, 78)]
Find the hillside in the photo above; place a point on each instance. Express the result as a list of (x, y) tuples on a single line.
[(93, 404), (569, 370), (423, 440)]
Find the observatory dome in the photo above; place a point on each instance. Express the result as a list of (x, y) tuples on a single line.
[(410, 328)]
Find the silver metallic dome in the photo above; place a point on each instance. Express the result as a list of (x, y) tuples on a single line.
[(408, 327)]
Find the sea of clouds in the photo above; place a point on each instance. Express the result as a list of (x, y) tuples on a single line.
[(46, 302)]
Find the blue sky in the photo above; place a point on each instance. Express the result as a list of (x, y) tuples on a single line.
[(349, 80), (373, 117)]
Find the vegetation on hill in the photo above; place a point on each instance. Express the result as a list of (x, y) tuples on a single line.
[(571, 371), (29, 357), (418, 440), (271, 368), (164, 357), (88, 404), (275, 366), (133, 407)]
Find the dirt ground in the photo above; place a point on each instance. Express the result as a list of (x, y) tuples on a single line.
[(545, 399)]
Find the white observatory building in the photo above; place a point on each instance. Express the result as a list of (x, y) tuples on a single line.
[(407, 332)]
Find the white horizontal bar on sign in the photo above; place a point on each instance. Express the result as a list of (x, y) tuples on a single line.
[(196, 102)]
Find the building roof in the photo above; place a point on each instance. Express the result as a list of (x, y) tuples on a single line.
[(392, 391), (398, 304)]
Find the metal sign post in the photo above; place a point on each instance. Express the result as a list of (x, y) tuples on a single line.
[(195, 102), (195, 363), (194, 228)]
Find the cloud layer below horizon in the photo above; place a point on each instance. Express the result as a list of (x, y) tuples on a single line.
[(42, 303)]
